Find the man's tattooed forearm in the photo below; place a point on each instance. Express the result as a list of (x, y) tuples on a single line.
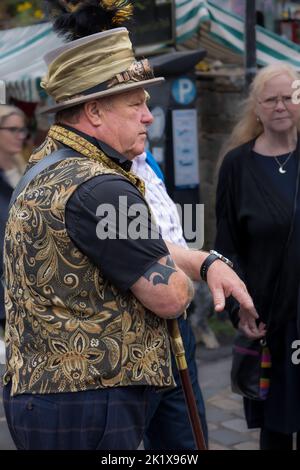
[(160, 273)]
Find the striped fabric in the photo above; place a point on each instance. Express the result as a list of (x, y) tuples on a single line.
[(22, 49), (228, 29), (21, 63), (266, 365), (189, 16), (162, 206)]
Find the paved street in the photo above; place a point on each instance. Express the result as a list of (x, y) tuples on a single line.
[(227, 428)]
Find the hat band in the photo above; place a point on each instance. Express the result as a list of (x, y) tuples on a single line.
[(138, 71)]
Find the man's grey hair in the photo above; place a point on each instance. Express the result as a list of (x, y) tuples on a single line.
[(72, 115)]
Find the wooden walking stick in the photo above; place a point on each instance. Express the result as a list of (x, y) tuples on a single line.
[(179, 353)]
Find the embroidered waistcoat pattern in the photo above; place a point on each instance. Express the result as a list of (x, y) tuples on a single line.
[(68, 328)]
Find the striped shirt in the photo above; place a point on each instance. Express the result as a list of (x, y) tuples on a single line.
[(162, 206)]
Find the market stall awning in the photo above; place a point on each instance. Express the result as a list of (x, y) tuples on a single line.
[(21, 59), (227, 29), (22, 49)]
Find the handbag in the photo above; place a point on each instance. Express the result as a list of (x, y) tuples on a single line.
[(251, 366)]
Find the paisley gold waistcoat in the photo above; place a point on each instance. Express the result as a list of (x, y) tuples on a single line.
[(68, 328)]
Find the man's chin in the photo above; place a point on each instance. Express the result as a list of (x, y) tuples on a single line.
[(136, 152)]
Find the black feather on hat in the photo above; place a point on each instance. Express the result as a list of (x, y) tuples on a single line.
[(76, 19)]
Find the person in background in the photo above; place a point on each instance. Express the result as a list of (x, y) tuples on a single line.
[(168, 425), (202, 305), (258, 227), (13, 133)]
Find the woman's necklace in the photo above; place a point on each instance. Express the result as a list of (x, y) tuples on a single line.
[(281, 169)]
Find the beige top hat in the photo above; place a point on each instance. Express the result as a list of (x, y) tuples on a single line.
[(93, 66)]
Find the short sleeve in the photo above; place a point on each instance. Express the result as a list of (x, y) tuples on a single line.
[(109, 221)]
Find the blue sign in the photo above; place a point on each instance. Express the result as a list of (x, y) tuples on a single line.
[(184, 91)]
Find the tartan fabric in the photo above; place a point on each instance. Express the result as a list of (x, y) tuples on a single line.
[(104, 419), (162, 206)]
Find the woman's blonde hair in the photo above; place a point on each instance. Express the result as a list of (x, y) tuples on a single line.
[(248, 126), (7, 111)]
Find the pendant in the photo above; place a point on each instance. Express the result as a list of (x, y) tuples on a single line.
[(281, 170)]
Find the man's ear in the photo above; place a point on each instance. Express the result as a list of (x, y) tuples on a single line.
[(93, 112)]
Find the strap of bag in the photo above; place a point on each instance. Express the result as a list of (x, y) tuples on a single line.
[(46, 162)]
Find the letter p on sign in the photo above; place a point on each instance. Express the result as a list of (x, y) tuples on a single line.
[(184, 91)]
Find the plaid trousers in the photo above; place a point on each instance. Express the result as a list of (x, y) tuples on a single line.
[(103, 419)]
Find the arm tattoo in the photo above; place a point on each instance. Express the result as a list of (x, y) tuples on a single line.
[(159, 273)]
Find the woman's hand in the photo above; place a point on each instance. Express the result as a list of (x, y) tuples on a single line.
[(248, 326)]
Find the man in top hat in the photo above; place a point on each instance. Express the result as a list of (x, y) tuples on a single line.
[(86, 298)]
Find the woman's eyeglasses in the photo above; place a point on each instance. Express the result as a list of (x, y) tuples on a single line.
[(16, 130), (272, 102)]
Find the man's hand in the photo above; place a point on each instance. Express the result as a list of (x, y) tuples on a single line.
[(223, 282), (221, 279)]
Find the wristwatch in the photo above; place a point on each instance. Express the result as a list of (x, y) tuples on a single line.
[(213, 256)]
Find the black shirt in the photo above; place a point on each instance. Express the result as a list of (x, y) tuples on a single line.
[(121, 258), (254, 213)]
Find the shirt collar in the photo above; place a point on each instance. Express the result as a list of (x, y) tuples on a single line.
[(116, 156), (142, 156)]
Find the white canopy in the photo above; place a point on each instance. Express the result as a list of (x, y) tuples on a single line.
[(21, 62), (22, 49)]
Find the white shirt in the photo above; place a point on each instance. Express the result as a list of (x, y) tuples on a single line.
[(162, 206)]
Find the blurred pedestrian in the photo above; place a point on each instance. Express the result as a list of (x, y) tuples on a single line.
[(168, 425), (258, 227), (13, 133)]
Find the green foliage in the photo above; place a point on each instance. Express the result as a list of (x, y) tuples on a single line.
[(15, 13)]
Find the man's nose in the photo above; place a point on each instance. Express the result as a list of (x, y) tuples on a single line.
[(147, 116)]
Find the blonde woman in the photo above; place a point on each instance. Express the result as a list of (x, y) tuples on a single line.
[(12, 136), (257, 208)]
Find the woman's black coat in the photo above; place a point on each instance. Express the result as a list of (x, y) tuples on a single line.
[(255, 220)]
